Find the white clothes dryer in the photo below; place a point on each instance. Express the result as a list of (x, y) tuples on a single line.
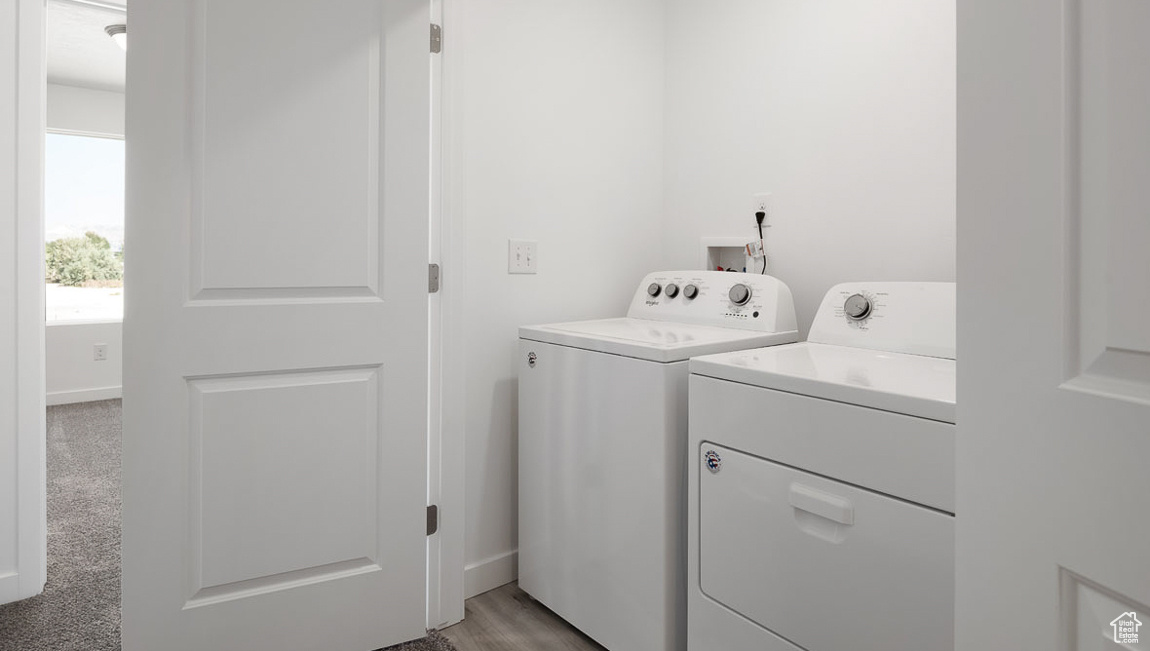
[(602, 449), (821, 508)]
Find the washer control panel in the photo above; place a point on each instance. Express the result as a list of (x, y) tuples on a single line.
[(899, 317), (719, 298)]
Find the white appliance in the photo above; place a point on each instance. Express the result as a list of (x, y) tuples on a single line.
[(822, 481), (602, 449)]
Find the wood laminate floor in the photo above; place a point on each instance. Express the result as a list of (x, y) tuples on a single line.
[(508, 619)]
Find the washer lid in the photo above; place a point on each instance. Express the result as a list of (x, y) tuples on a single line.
[(656, 341), (906, 384)]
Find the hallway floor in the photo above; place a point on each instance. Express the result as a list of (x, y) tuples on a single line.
[(508, 619), (79, 609)]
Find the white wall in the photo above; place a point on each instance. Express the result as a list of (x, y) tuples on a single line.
[(72, 373), (844, 110), (555, 132), (85, 111), (620, 133)]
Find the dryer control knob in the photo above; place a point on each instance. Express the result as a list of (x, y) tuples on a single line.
[(690, 291), (653, 290), (740, 294), (671, 290), (857, 307)]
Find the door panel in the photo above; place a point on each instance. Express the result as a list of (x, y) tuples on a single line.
[(1109, 89), (299, 105), (1054, 356), (265, 536), (275, 397)]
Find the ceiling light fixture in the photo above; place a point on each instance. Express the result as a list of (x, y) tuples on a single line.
[(119, 34)]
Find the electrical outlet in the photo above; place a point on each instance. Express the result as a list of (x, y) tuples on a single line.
[(765, 202), (522, 257), (100, 352)]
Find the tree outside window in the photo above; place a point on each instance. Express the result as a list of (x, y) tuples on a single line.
[(84, 228)]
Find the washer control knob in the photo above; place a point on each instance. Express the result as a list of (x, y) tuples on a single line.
[(857, 307), (690, 291), (740, 294), (672, 290), (653, 290)]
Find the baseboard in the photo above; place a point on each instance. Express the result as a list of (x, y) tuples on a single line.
[(490, 573), (84, 395), (11, 589)]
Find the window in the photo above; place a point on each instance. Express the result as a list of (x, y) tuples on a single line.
[(84, 227)]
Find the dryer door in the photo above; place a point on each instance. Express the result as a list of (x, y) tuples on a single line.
[(823, 564)]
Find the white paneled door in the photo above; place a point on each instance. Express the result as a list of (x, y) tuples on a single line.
[(1053, 526), (275, 375)]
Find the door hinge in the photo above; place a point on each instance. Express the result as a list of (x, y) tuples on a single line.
[(436, 39), (432, 278), (432, 519)]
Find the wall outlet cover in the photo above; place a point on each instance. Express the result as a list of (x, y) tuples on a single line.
[(763, 201)]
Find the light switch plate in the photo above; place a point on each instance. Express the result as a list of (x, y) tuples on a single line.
[(522, 257), (100, 352)]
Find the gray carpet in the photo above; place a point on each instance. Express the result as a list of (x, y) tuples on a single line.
[(433, 642), (79, 609)]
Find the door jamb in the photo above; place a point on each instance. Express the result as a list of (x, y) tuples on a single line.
[(29, 387), (447, 397)]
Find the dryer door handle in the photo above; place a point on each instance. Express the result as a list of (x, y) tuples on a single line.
[(823, 504)]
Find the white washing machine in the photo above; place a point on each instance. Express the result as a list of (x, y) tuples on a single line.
[(821, 508), (602, 449)]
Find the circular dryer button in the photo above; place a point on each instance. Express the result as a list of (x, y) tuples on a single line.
[(690, 291), (713, 460), (653, 290), (672, 290), (857, 307), (740, 294)]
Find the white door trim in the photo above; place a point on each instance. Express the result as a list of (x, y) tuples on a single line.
[(24, 230), (446, 555)]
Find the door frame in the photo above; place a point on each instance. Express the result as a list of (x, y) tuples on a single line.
[(446, 435), (27, 230), (447, 439)]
